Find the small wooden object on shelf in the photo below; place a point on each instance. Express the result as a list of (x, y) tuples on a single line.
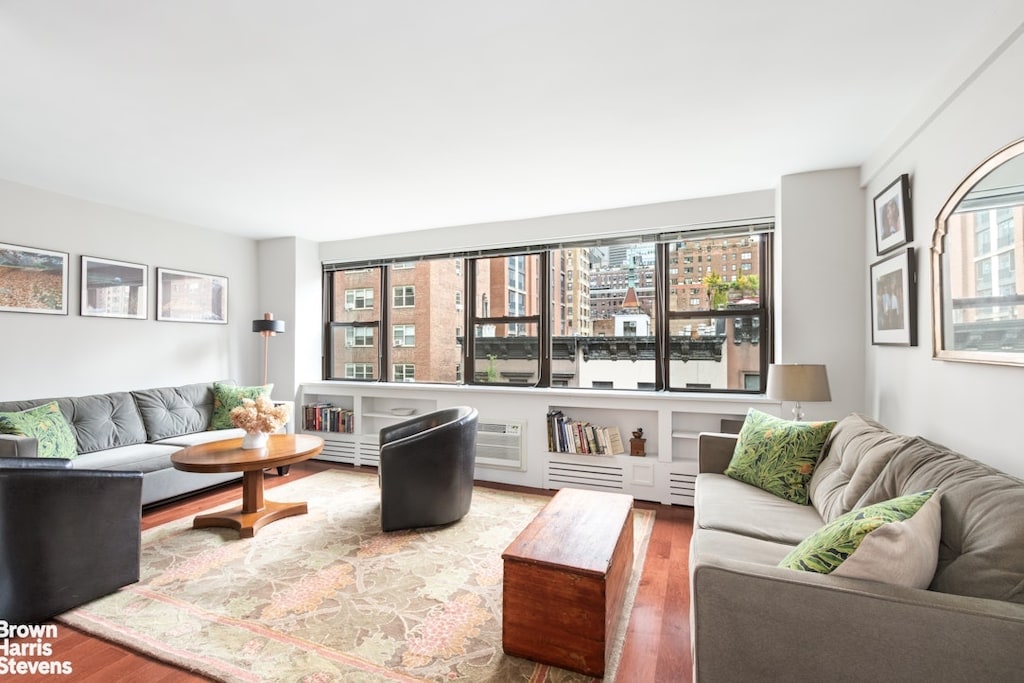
[(637, 443)]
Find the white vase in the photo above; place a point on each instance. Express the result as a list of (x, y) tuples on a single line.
[(255, 439)]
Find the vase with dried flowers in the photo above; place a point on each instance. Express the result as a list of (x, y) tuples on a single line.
[(259, 418)]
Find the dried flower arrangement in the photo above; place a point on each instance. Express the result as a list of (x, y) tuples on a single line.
[(260, 415)]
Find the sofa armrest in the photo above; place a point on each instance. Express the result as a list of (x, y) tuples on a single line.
[(12, 446), (759, 622), (714, 451)]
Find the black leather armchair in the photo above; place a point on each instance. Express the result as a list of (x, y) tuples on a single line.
[(67, 536), (426, 469)]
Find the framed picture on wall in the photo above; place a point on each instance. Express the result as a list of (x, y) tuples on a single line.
[(187, 297), (114, 289), (33, 280), (894, 300), (893, 226)]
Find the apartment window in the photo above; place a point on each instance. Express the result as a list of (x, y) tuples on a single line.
[(631, 326), (404, 335), (505, 325), (358, 299), (358, 371), (358, 336), (403, 296), (354, 319), (362, 335), (716, 340)]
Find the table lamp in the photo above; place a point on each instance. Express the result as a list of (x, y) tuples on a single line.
[(798, 382), (267, 327)]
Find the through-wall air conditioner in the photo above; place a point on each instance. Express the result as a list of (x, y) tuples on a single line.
[(500, 445)]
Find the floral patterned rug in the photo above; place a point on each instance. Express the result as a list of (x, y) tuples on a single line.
[(327, 596)]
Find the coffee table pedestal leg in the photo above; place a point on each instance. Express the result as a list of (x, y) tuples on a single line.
[(253, 513)]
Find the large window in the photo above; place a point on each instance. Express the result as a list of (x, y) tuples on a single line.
[(505, 319), (411, 337), (671, 312), (353, 323)]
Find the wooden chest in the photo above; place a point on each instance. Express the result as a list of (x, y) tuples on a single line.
[(565, 580)]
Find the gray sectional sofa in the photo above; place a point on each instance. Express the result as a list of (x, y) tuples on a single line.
[(754, 621), (135, 431)]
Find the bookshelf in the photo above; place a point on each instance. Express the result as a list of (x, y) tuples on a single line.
[(670, 423), (350, 422)]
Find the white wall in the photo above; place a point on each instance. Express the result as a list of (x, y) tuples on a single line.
[(291, 287), (56, 355), (707, 211), (972, 408), (820, 282)]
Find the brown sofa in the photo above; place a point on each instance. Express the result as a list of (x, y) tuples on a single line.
[(755, 621)]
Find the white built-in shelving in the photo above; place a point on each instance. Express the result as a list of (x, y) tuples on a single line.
[(671, 423)]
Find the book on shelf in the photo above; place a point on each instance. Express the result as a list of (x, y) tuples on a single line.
[(568, 435), (326, 417), (615, 445)]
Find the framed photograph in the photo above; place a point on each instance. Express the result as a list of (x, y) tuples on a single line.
[(33, 280), (894, 300), (893, 225), (191, 297), (114, 289)]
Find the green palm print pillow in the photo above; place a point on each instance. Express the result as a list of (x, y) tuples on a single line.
[(45, 424), (778, 455), (896, 541), (228, 396)]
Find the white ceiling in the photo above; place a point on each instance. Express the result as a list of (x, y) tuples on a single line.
[(330, 119)]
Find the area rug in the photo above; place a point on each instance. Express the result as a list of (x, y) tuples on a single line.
[(327, 596)]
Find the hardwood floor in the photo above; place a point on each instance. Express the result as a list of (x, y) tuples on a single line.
[(657, 645)]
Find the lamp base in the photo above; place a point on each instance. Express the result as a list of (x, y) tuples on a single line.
[(798, 412)]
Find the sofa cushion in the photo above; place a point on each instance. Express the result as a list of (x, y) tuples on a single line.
[(228, 396), (144, 457), (98, 421), (724, 504), (103, 421), (856, 451), (709, 542), (183, 440), (172, 411), (45, 424), (980, 548), (778, 455), (895, 541)]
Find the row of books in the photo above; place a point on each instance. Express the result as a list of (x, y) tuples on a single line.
[(326, 417), (566, 435)]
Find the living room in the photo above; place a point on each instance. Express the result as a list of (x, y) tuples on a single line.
[(965, 113)]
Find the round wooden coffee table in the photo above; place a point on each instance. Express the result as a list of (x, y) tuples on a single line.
[(229, 456)]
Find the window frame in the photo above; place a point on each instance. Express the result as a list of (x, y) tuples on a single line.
[(662, 317), (408, 296)]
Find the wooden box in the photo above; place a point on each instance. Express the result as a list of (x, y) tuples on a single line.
[(565, 579)]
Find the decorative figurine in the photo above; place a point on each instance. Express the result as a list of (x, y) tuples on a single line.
[(636, 444)]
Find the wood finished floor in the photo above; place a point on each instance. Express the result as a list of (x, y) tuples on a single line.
[(657, 645)]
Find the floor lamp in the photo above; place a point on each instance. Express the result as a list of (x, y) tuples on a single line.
[(267, 328)]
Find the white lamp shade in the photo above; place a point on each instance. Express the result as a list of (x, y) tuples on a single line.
[(797, 382)]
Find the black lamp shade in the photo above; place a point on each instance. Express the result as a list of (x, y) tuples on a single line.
[(264, 325)]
